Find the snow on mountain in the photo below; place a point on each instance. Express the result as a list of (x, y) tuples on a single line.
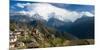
[(46, 11)]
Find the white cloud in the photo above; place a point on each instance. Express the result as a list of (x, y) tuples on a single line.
[(22, 5), (44, 9)]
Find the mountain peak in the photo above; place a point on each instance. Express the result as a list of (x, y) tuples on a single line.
[(88, 14)]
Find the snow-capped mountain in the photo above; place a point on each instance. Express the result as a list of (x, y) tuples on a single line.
[(52, 16), (37, 16), (46, 11)]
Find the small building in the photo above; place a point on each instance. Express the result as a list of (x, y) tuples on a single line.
[(13, 39)]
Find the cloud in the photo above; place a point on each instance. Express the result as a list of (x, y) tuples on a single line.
[(20, 5), (44, 9)]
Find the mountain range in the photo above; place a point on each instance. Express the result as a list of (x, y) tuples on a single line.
[(82, 28)]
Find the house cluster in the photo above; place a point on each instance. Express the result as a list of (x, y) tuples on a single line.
[(14, 37), (17, 33)]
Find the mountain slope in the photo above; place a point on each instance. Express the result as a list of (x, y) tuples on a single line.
[(83, 28)]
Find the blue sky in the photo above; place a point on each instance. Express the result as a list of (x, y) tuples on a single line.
[(73, 7), (76, 7)]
